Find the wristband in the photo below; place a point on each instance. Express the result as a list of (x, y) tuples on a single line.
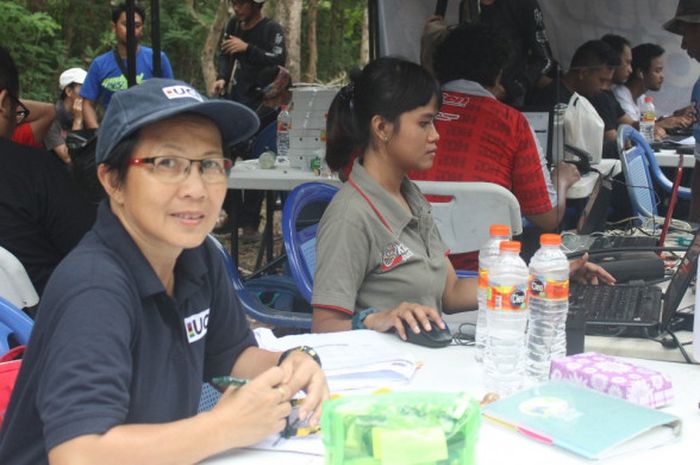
[(358, 320), (310, 351)]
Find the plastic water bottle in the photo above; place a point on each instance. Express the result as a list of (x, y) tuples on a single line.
[(504, 357), (284, 124), (549, 305), (647, 119), (487, 255)]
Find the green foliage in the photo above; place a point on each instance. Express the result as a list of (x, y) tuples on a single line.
[(339, 37), (33, 41), (47, 36), (183, 32)]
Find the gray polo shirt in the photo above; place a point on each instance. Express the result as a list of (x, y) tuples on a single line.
[(371, 252)]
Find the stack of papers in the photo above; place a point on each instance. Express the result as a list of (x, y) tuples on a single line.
[(351, 360)]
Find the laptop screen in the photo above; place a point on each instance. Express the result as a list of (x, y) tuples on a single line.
[(595, 213), (541, 124), (680, 281)]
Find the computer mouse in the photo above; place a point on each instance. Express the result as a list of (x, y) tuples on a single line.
[(436, 337), (579, 158)]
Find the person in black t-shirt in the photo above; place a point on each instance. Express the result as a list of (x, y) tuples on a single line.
[(530, 64), (253, 45), (42, 214), (592, 67), (605, 103), (252, 42)]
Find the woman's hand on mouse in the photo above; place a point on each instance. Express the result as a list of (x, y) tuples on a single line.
[(414, 315)]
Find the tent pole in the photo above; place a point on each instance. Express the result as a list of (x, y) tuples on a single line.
[(130, 44), (155, 37)]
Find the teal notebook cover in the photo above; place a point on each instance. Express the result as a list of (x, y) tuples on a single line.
[(583, 421)]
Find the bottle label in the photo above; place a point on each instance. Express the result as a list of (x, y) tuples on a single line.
[(512, 298), (483, 278), (648, 117), (549, 289), (282, 126)]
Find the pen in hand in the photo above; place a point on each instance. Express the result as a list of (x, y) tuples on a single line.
[(225, 382)]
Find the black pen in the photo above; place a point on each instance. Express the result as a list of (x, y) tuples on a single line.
[(228, 381)]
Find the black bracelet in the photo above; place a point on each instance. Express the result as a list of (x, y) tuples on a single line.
[(310, 351)]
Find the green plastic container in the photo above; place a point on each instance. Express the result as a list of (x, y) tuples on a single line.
[(401, 428)]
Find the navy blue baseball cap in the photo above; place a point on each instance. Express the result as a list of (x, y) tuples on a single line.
[(159, 99)]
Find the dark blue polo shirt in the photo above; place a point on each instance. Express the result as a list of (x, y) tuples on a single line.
[(110, 347)]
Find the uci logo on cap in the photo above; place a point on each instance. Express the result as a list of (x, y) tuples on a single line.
[(173, 92)]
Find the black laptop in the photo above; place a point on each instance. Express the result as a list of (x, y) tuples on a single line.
[(593, 219), (622, 242), (611, 309)]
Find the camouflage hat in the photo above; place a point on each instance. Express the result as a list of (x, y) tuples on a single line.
[(688, 11)]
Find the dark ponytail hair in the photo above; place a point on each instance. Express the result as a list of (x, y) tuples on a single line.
[(386, 87)]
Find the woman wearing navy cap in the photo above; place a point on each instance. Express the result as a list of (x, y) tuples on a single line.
[(141, 312)]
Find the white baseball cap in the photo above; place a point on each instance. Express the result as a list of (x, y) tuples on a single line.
[(70, 76)]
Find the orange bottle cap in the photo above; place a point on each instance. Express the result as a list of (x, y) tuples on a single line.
[(499, 230), (648, 99), (509, 246), (550, 239)]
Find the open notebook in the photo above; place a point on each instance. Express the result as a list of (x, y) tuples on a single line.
[(351, 360)]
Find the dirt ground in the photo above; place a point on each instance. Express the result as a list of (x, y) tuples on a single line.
[(248, 252)]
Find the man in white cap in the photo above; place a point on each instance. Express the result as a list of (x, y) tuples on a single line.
[(69, 112), (686, 23)]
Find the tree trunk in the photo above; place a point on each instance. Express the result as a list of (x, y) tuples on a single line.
[(310, 74), (364, 45), (288, 14), (336, 36), (193, 11), (211, 44)]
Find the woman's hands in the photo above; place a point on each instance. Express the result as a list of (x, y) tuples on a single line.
[(260, 408), (256, 410), (415, 315), (302, 373)]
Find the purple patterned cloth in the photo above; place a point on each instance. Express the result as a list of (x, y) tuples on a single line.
[(615, 377)]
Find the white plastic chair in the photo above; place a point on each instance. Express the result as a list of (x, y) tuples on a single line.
[(464, 220), (15, 285)]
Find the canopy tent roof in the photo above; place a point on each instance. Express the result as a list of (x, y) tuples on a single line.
[(399, 24)]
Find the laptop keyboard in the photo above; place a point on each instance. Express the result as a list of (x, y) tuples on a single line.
[(616, 242), (620, 304)]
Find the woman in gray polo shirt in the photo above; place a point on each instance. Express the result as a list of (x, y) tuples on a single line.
[(380, 260)]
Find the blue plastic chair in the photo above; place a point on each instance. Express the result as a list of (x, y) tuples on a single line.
[(252, 305), (300, 239), (643, 167), (635, 167), (15, 326)]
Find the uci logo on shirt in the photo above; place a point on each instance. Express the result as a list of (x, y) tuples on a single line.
[(196, 326)]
